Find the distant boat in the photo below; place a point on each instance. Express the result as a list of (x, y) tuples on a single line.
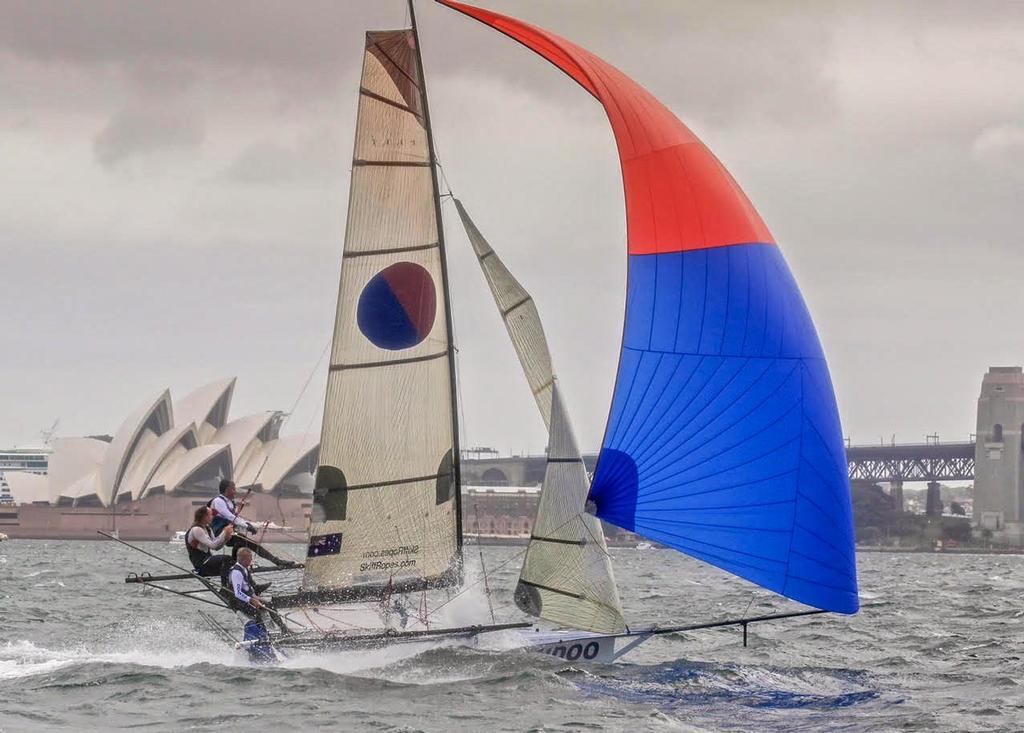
[(2, 537), (644, 546), (178, 536)]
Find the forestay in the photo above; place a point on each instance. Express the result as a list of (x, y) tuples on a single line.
[(385, 511), (567, 574)]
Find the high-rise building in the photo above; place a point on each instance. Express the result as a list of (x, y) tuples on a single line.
[(999, 471)]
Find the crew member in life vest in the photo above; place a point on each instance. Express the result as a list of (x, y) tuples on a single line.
[(201, 543), (245, 591), (225, 514)]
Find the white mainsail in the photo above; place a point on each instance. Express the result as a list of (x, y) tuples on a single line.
[(385, 516), (567, 575)]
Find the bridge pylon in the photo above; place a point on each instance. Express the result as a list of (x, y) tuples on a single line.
[(999, 473)]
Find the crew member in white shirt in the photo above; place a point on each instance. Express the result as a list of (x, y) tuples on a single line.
[(246, 591), (225, 513), (201, 544)]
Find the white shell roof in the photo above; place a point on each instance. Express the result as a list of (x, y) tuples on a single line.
[(147, 461), (85, 490), (119, 453), (176, 472), (72, 459), (278, 459), (27, 488), (240, 434), (210, 403), (165, 446)]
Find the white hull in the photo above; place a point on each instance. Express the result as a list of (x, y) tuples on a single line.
[(578, 646)]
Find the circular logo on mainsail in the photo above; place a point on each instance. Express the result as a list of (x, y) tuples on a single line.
[(397, 307)]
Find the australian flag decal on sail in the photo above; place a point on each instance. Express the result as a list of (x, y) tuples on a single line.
[(324, 544)]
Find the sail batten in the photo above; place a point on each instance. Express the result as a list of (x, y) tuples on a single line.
[(386, 499), (723, 439)]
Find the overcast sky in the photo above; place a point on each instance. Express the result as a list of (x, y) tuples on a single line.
[(175, 175)]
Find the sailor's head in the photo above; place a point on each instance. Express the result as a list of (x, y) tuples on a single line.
[(203, 515), (227, 487), (245, 557)]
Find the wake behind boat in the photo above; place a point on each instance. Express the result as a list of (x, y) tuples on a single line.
[(723, 441)]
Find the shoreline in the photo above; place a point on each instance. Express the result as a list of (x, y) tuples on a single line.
[(944, 550)]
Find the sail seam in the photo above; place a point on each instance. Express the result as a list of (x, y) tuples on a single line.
[(538, 538), (393, 250), (380, 98), (553, 590), (544, 386), (515, 305), (396, 482), (369, 364), (399, 163)]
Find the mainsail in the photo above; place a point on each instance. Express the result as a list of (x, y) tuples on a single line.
[(386, 501), (567, 574), (723, 439)]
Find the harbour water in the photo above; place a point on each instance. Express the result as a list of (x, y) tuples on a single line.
[(937, 647)]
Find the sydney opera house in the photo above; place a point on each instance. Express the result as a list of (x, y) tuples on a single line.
[(166, 458)]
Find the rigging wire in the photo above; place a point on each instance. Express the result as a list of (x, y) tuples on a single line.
[(483, 567), (287, 416)]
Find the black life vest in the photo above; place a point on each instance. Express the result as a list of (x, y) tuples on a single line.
[(197, 554), (219, 522), (250, 584)]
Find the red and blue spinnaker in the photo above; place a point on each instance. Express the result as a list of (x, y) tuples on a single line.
[(723, 439)]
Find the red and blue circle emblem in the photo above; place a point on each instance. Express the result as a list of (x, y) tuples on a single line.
[(397, 307)]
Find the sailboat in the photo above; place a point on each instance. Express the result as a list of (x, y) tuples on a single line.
[(723, 440)]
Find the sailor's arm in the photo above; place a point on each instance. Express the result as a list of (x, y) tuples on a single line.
[(221, 508), (218, 542), (201, 537)]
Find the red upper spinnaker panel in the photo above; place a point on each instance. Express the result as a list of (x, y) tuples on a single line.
[(679, 197)]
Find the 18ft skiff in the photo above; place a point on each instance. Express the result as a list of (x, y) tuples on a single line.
[(723, 440)]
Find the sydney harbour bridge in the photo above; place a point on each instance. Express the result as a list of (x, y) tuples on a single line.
[(895, 463)]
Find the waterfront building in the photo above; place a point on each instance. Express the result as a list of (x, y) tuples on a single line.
[(23, 460), (170, 448)]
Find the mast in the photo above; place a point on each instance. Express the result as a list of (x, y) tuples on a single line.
[(456, 453), (386, 516)]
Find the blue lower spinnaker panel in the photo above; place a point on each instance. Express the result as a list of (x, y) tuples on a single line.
[(724, 440)]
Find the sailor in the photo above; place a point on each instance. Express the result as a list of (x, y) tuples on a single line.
[(226, 514), (245, 591), (201, 545)]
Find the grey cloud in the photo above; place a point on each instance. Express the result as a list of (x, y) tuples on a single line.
[(249, 33), (1002, 146), (143, 130), (879, 140), (313, 158)]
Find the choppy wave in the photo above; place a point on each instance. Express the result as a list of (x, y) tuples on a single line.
[(919, 657)]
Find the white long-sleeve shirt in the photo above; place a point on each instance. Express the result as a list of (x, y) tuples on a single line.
[(240, 585), (225, 509), (199, 537)]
